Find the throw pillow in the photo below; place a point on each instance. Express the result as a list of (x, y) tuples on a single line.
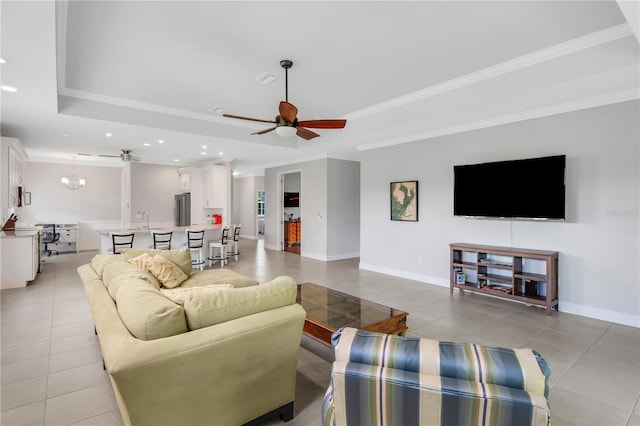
[(167, 272), (140, 261), (180, 294), (181, 257)]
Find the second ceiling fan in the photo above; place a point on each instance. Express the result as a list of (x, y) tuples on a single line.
[(287, 123)]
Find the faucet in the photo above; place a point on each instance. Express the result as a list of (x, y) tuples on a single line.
[(145, 214)]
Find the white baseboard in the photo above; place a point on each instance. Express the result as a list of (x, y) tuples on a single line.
[(404, 274), (271, 247), (326, 258), (570, 308), (248, 237), (601, 314)]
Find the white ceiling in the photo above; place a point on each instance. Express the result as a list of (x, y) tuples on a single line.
[(397, 71)]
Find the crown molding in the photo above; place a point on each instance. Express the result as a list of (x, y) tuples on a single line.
[(563, 49), (610, 98)]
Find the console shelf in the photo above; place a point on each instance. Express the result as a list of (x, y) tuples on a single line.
[(523, 275)]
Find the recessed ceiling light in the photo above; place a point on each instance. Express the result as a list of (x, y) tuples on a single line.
[(108, 135), (204, 147), (176, 160), (3, 61), (68, 135), (236, 173), (203, 153), (146, 144), (265, 78), (8, 88), (160, 141), (221, 153)]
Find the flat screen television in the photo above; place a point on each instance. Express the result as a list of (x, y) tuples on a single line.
[(531, 188), (292, 199)]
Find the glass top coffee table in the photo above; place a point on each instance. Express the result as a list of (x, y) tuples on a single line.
[(328, 310)]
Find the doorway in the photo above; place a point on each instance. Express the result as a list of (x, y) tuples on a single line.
[(291, 184), (260, 215)]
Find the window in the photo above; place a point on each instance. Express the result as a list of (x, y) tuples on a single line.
[(260, 203)]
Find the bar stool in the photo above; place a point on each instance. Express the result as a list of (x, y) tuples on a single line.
[(234, 249), (195, 242), (221, 247), (120, 240), (161, 240)]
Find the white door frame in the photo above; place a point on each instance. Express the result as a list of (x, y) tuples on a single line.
[(280, 213)]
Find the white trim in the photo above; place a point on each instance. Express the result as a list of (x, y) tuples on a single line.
[(563, 49), (600, 314), (610, 98), (271, 247), (570, 308), (331, 258), (430, 279), (248, 237)]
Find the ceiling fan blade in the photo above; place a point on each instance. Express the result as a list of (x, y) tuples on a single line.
[(323, 124), (248, 118), (305, 133), (288, 111), (262, 132)]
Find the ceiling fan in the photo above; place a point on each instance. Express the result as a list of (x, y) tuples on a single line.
[(287, 123), (125, 154)]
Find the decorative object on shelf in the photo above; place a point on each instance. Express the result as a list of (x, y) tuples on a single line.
[(460, 277), (10, 224), (404, 201), (72, 181)]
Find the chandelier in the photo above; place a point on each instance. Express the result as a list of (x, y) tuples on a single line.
[(72, 181)]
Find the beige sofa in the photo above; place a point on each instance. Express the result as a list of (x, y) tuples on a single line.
[(218, 356)]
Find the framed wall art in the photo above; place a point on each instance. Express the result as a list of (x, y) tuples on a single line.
[(404, 201)]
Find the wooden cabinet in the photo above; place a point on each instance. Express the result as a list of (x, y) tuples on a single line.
[(292, 232), (529, 276)]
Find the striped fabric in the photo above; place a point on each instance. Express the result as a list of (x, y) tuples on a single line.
[(378, 379)]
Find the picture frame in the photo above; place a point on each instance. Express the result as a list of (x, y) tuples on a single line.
[(27, 198), (403, 198)]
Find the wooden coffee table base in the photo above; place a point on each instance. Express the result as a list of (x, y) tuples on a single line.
[(345, 311)]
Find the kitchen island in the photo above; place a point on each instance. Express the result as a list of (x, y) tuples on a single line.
[(143, 239)]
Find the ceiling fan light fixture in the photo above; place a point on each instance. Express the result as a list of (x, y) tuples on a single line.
[(286, 131)]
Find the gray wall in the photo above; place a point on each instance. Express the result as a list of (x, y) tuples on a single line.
[(329, 208), (598, 244), (96, 206), (153, 188), (245, 204), (343, 209)]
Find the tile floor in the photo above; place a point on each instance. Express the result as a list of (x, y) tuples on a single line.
[(51, 370)]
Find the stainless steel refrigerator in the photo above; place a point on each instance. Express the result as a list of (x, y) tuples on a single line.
[(182, 209)]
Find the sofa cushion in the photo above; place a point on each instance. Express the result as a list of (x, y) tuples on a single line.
[(146, 313), (99, 261), (167, 272), (217, 306), (180, 294), (218, 276), (118, 274), (181, 257)]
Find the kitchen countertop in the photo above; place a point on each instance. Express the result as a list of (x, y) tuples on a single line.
[(176, 229), (20, 233)]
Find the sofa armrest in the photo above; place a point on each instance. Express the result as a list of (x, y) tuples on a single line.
[(361, 394)]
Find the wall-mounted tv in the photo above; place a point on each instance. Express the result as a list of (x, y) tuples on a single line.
[(531, 188), (292, 199)]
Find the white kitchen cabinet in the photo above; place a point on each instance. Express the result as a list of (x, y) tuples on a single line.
[(185, 181), (20, 257), (215, 187)]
